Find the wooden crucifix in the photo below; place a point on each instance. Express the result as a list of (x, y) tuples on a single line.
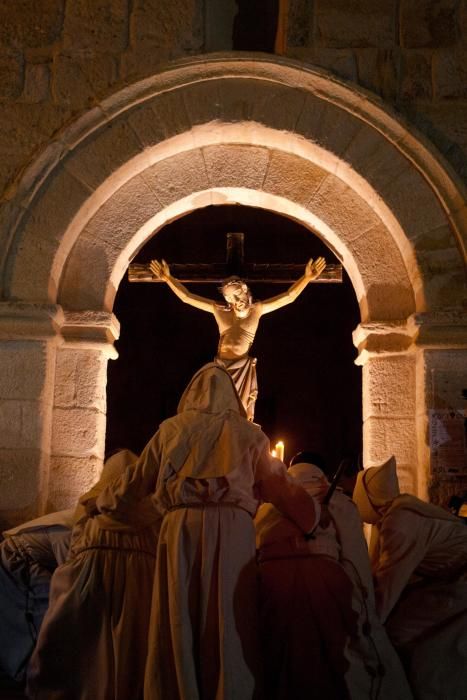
[(272, 273), (238, 318)]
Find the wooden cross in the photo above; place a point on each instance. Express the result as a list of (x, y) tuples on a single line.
[(234, 265)]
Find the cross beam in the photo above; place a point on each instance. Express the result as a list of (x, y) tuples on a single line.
[(271, 273)]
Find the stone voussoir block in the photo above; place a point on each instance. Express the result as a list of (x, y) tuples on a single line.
[(291, 177), (351, 218), (121, 216), (328, 126), (159, 119), (202, 102), (56, 208), (374, 158), (236, 165), (101, 154), (81, 290), (412, 202), (274, 105), (39, 241), (177, 177)]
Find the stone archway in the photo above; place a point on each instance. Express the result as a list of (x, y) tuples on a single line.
[(243, 130)]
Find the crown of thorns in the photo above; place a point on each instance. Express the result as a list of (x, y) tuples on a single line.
[(234, 283)]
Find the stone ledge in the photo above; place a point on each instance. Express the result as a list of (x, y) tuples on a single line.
[(81, 327), (383, 330), (437, 329), (29, 320), (441, 329)]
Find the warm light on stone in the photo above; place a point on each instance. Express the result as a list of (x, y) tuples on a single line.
[(313, 148)]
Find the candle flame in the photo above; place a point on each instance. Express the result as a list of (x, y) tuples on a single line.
[(279, 450)]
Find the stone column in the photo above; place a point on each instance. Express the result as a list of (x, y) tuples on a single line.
[(79, 411), (389, 361), (29, 335), (410, 371)]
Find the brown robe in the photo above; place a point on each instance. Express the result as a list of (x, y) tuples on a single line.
[(206, 468), (319, 596), (93, 642)]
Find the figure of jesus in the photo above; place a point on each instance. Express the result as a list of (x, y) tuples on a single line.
[(238, 321)]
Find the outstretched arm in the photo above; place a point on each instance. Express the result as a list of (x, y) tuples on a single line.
[(313, 270), (161, 271)]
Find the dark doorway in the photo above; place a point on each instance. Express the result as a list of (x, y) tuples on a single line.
[(309, 386)]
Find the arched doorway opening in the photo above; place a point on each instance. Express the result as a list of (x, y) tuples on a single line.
[(241, 130), (310, 388)]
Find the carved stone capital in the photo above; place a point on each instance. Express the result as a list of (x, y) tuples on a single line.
[(382, 338), (91, 330), (440, 330)]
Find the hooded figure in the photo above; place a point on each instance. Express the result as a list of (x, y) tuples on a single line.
[(93, 641), (206, 469), (29, 555), (419, 561), (321, 634)]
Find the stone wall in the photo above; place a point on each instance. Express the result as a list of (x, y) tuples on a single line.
[(58, 59), (413, 53)]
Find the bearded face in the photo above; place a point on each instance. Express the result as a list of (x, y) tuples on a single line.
[(238, 296)]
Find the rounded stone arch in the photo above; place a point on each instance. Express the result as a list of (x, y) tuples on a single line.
[(260, 131)]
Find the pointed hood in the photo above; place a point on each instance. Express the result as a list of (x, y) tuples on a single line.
[(210, 432), (305, 473), (375, 488), (114, 466), (211, 390)]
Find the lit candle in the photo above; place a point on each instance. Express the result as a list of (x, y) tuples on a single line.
[(279, 450), (273, 453)]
